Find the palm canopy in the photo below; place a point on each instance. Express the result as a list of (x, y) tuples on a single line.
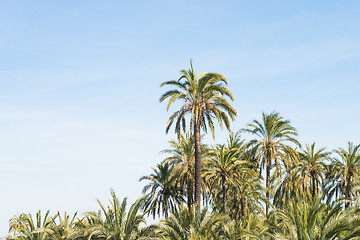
[(202, 97), (270, 145), (290, 184), (226, 168), (301, 220), (221, 172), (250, 228), (162, 193), (190, 224), (345, 171), (312, 167), (25, 227), (117, 224), (272, 132), (63, 227)]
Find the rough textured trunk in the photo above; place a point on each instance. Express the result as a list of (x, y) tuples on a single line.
[(267, 187), (242, 206), (224, 193), (303, 189), (166, 213), (313, 191), (347, 190), (190, 193), (197, 164)]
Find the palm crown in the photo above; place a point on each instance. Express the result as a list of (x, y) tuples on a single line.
[(312, 166), (345, 172), (202, 97)]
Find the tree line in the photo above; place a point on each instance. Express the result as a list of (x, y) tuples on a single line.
[(270, 187)]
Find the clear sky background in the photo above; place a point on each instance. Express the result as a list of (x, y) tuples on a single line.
[(79, 86)]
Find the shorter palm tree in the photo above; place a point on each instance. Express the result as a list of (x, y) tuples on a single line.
[(312, 167), (190, 224), (162, 194), (344, 173), (220, 173), (24, 227), (247, 198), (226, 170), (117, 224), (290, 185), (63, 227), (232, 180), (315, 220), (252, 227), (272, 134)]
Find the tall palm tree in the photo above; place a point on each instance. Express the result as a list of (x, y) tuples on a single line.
[(312, 166), (182, 158), (203, 98), (345, 172), (269, 146), (164, 195), (117, 224)]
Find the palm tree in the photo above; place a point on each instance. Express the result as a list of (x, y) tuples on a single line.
[(117, 223), (345, 172), (227, 169), (63, 227), (190, 224), (269, 146), (306, 220), (182, 158), (250, 228), (24, 227), (203, 98), (312, 166), (220, 172), (164, 195), (290, 185), (246, 198)]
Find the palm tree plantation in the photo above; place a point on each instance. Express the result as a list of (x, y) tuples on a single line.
[(262, 183)]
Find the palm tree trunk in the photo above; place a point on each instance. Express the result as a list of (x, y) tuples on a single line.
[(224, 193), (313, 185), (347, 191), (166, 212), (197, 164), (190, 192), (267, 187), (242, 206), (347, 197)]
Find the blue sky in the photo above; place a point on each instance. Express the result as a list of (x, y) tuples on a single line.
[(80, 86)]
